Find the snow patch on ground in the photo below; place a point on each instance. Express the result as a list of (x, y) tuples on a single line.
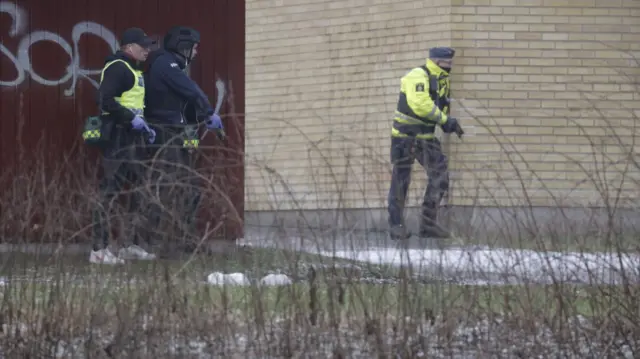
[(218, 278), (517, 265), (276, 279), (478, 265), (239, 279)]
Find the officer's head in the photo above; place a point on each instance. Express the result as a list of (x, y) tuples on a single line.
[(183, 41), (443, 57), (136, 43)]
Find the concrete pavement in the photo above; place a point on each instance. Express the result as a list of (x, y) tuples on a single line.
[(458, 262)]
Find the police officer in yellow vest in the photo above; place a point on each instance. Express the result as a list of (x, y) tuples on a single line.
[(121, 100), (423, 104)]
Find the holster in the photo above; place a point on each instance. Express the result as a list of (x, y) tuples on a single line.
[(190, 136), (97, 130)]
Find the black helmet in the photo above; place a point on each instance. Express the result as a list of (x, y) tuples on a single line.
[(181, 39)]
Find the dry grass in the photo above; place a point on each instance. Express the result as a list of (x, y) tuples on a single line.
[(102, 313)]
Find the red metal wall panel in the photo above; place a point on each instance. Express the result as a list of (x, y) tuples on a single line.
[(51, 56)]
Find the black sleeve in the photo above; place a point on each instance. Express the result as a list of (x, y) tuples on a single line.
[(201, 103), (117, 80), (180, 83)]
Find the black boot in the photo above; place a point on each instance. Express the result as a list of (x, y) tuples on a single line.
[(434, 231), (399, 232), (429, 227)]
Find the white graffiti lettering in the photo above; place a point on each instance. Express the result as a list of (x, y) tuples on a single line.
[(22, 61)]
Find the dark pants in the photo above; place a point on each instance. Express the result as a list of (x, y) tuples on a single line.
[(174, 184), (122, 164), (404, 152)]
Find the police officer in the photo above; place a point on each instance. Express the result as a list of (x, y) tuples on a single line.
[(121, 101), (170, 92), (423, 104)]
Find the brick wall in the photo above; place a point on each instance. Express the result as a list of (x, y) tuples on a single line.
[(532, 77), (544, 80)]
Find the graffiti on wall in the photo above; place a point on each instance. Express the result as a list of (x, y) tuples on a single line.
[(21, 59)]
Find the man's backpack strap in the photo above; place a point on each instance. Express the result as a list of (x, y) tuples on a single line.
[(433, 82)]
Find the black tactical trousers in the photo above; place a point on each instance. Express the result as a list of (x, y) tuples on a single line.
[(122, 164), (174, 184), (404, 152)]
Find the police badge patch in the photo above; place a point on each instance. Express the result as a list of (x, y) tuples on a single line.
[(420, 87)]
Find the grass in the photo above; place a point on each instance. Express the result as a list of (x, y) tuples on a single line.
[(164, 309), (356, 300), (125, 316), (254, 261), (42, 279)]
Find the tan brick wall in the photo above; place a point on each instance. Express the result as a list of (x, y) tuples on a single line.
[(322, 82), (543, 80)]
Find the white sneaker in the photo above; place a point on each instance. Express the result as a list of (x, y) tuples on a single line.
[(104, 256), (135, 252)]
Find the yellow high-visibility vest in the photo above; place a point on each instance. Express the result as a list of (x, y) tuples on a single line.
[(133, 98), (421, 102)]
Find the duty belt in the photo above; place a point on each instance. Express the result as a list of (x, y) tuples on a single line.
[(413, 129)]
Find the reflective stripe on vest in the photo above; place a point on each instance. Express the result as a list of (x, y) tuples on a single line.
[(406, 130), (132, 99), (406, 119)]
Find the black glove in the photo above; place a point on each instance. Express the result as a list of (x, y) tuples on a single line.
[(451, 126)]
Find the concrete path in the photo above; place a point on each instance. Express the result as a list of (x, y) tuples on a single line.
[(462, 264)]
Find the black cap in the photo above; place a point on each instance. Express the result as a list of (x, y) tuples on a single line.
[(136, 35), (442, 53)]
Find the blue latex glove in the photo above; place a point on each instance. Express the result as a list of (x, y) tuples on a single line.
[(152, 136), (138, 123), (214, 122)]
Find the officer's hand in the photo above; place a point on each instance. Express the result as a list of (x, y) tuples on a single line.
[(452, 125), (459, 130), (138, 123), (152, 136), (214, 122)]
